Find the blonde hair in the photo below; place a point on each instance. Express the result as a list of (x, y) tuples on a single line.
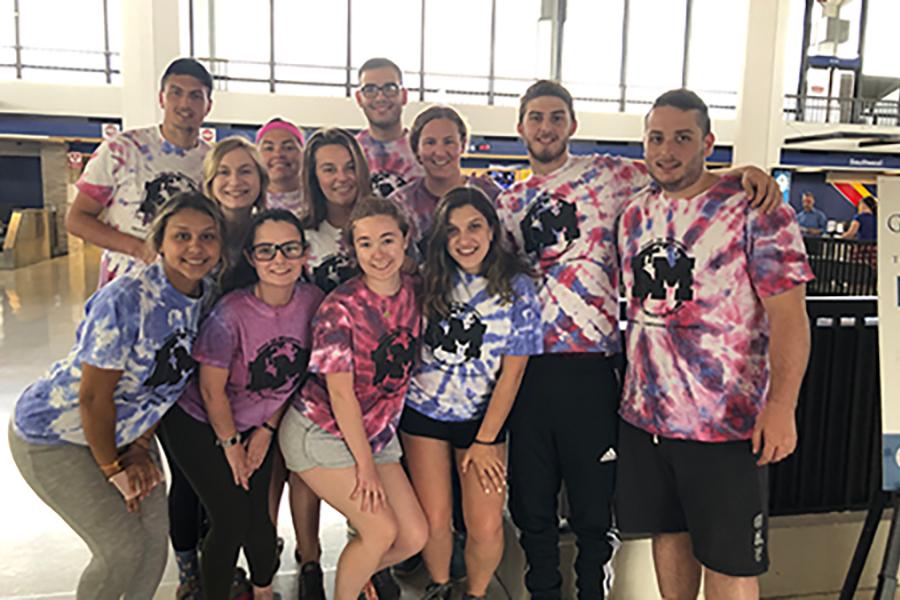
[(218, 152)]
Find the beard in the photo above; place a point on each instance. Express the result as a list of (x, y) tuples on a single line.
[(385, 121), (693, 170), (549, 153)]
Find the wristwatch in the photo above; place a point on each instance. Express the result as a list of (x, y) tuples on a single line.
[(232, 441)]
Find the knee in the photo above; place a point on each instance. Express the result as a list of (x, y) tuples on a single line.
[(438, 522), (486, 529), (412, 538), (379, 535)]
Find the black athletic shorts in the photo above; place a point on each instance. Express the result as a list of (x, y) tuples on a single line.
[(460, 434), (713, 491)]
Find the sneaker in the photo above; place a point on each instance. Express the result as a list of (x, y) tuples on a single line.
[(385, 585), (311, 582), (240, 586), (458, 558), (189, 590), (438, 591), (408, 566)]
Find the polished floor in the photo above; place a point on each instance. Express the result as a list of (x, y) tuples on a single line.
[(40, 557)]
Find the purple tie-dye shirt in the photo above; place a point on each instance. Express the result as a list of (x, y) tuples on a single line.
[(694, 272), (421, 204), (391, 164), (563, 224), (375, 338), (265, 349)]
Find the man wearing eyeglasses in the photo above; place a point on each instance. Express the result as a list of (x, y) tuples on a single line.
[(381, 96)]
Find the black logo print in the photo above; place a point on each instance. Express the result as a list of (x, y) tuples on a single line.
[(394, 356), (457, 338), (332, 272), (384, 183), (279, 365), (173, 362), (549, 222), (161, 189), (663, 277)]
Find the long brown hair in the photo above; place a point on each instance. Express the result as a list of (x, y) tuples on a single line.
[(309, 181), (499, 267)]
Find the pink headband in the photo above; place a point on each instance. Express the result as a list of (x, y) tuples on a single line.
[(289, 127)]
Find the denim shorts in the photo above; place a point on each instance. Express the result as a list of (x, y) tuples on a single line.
[(306, 446)]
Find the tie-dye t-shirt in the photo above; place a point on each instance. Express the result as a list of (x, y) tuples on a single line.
[(461, 355), (138, 324), (375, 338), (291, 201), (694, 271), (265, 349), (391, 164), (328, 264), (421, 204), (563, 224), (132, 175)]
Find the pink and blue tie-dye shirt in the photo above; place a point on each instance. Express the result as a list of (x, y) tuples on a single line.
[(291, 201), (373, 337), (132, 175), (264, 348), (563, 224), (391, 164), (694, 272)]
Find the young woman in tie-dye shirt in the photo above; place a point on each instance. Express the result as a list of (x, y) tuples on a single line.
[(82, 436), (342, 438), (482, 321)]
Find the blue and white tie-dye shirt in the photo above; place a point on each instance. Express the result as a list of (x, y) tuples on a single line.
[(138, 324), (461, 355)]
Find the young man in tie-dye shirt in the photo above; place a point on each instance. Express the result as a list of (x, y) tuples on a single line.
[(717, 344), (132, 174), (381, 96), (564, 424)]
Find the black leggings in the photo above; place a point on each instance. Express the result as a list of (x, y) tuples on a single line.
[(238, 518), (186, 514)]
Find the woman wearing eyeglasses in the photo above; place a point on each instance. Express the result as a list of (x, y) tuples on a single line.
[(252, 352)]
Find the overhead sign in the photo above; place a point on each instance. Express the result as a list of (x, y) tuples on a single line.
[(208, 134), (889, 326)]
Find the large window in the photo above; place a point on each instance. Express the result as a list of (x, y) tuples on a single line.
[(655, 51), (592, 53), (716, 54), (64, 42)]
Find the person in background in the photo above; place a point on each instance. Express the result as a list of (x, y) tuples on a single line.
[(252, 351), (381, 96), (131, 175), (280, 144), (482, 322), (438, 137), (864, 226), (341, 437), (812, 221), (83, 435), (717, 345)]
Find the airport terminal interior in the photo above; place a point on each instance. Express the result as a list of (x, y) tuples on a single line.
[(808, 90)]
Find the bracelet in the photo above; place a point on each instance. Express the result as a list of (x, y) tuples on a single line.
[(481, 443), (111, 469), (232, 441), (269, 428)]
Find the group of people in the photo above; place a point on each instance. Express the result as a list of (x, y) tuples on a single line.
[(357, 317), (863, 227)]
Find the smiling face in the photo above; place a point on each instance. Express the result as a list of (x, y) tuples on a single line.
[(675, 148), (280, 270), (382, 110), (185, 102), (469, 238), (546, 128), (440, 148), (236, 184), (190, 248), (336, 173), (380, 248), (281, 154)]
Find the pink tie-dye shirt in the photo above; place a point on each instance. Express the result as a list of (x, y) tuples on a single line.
[(373, 337), (563, 225), (391, 164), (694, 272)]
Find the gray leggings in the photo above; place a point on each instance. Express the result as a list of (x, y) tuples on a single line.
[(129, 550)]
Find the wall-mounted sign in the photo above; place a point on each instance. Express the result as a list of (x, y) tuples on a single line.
[(889, 326)]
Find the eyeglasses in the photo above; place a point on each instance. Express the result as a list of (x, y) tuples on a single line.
[(267, 252), (370, 90)]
